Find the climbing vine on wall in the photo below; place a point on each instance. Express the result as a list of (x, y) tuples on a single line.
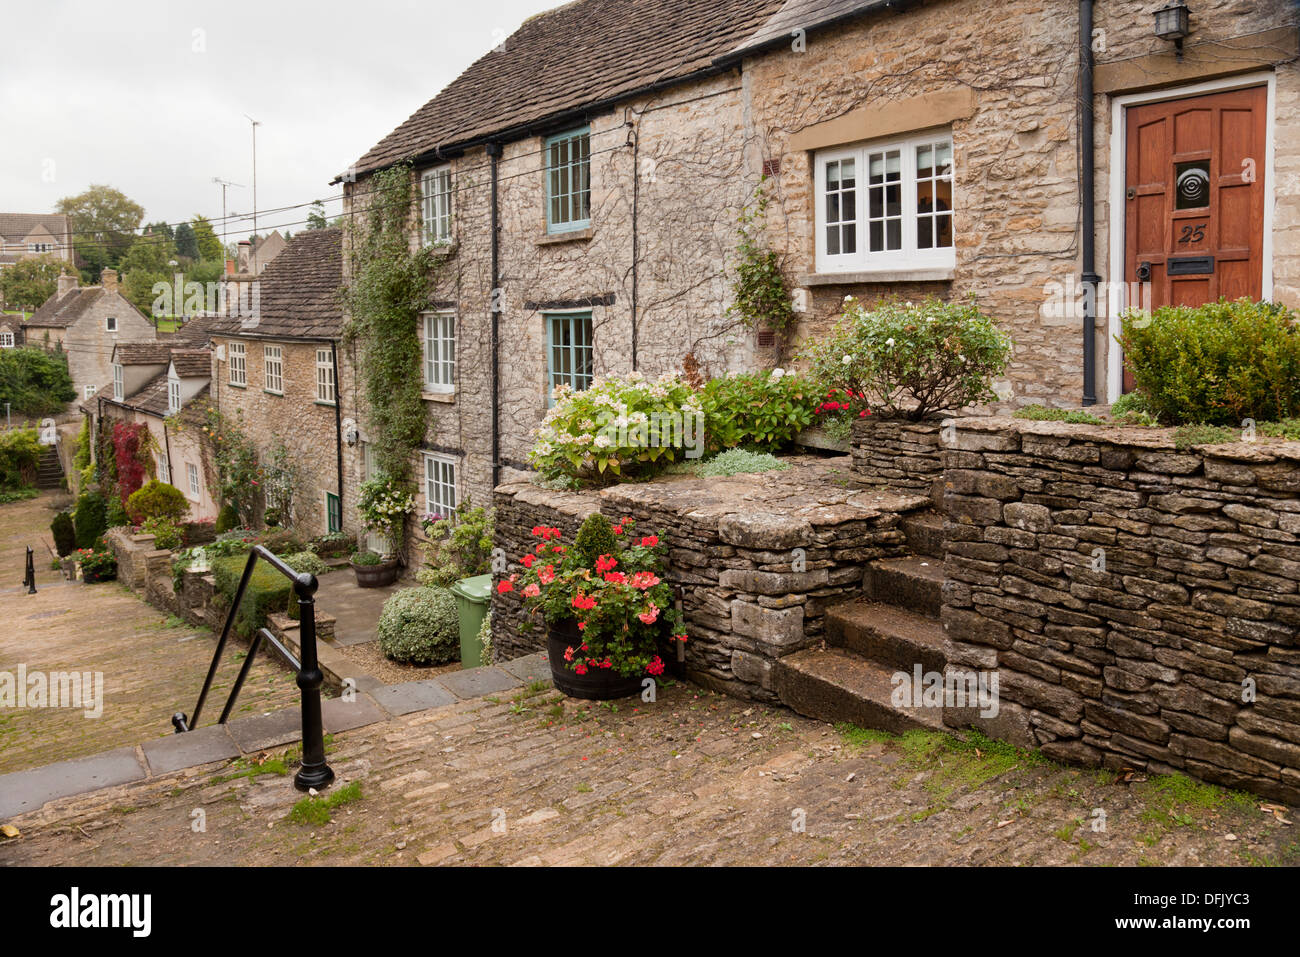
[(132, 445), (761, 293), (390, 286)]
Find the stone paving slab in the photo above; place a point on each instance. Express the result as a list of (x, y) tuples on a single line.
[(414, 696), (24, 791), (200, 746), (529, 668), (479, 681), (267, 730), (338, 714)]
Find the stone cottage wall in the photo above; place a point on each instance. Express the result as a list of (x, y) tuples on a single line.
[(1139, 603), (898, 454)]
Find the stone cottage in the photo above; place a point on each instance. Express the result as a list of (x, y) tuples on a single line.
[(87, 322), (904, 148), (279, 371)]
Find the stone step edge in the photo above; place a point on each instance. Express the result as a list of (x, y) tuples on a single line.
[(865, 703)]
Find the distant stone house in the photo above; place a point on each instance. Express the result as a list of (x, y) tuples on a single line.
[(906, 149), (24, 235), (87, 322), (280, 374)]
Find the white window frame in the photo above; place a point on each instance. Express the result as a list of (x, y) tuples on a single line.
[(6, 340), (862, 259), (119, 382), (164, 469), (273, 358), (324, 375), (434, 478), (440, 351), (90, 391), (436, 206), (173, 395), (238, 364), (192, 471), (110, 323), (40, 247)]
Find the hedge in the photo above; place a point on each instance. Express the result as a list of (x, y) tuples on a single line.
[(268, 591)]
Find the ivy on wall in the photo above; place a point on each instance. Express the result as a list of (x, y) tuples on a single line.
[(761, 293), (390, 286)]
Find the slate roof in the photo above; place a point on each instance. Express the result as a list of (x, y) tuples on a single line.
[(299, 292), (192, 363), (59, 312), (141, 353), (577, 56), (15, 227), (805, 15), (195, 334)]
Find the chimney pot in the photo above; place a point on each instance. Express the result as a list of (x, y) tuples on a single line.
[(67, 283)]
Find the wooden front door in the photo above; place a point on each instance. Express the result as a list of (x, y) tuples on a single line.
[(1194, 190)]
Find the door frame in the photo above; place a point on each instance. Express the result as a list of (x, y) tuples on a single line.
[(1119, 208)]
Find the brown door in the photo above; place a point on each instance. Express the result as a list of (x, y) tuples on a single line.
[(1194, 222)]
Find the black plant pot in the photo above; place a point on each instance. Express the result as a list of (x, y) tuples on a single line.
[(598, 684)]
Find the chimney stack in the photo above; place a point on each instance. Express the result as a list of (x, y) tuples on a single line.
[(230, 267), (108, 278), (245, 248), (67, 283)]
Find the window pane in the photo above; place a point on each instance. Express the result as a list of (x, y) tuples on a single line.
[(850, 238), (894, 230), (832, 240)]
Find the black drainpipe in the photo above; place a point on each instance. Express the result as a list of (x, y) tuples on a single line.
[(494, 151), (1089, 278), (338, 431)]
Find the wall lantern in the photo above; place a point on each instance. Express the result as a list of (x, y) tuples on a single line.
[(1174, 23)]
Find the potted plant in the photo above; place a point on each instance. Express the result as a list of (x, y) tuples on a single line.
[(384, 504), (97, 564), (606, 606), (371, 569)]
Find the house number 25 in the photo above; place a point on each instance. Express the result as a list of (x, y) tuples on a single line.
[(1192, 234)]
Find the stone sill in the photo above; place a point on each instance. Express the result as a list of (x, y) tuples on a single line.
[(877, 275), (237, 385), (572, 236), (443, 250), (278, 395), (328, 405), (439, 396)]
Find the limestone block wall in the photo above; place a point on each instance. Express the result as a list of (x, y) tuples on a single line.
[(1139, 603), (899, 454)]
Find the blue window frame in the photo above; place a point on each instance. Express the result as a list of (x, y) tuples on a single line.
[(333, 512), (568, 351), (568, 181)]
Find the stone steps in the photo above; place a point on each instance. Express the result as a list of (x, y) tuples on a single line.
[(887, 635), (924, 531), (837, 685), (49, 471), (915, 583)]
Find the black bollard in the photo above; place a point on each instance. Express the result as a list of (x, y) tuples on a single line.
[(314, 773), (30, 579)]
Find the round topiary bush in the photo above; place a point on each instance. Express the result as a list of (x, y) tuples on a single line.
[(155, 500), (420, 626), (65, 534)]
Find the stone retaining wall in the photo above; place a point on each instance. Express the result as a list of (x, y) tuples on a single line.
[(1139, 603), (899, 454), (756, 559)]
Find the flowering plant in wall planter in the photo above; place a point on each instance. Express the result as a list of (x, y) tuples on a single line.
[(606, 604), (838, 410), (383, 504)]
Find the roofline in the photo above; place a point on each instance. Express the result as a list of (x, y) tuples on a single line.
[(521, 131), (272, 338), (869, 6)]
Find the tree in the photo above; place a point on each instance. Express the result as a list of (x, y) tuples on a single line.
[(146, 263), (186, 243), (29, 282), (206, 238), (35, 382), (160, 228), (103, 221), (316, 218)]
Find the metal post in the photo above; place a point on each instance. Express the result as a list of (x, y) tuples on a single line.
[(30, 579), (314, 773)]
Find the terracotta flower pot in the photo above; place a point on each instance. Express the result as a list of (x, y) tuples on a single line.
[(375, 576), (598, 684)]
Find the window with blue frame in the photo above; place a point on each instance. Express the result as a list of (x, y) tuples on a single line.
[(568, 350), (568, 181)]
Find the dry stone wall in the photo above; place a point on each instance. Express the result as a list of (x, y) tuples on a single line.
[(899, 454)]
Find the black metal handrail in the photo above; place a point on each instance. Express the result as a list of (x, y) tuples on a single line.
[(314, 773)]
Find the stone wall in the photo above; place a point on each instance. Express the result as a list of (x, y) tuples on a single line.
[(899, 454), (1139, 603), (756, 559)]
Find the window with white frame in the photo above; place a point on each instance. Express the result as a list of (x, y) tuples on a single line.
[(568, 181), (238, 364), (885, 205), (192, 471), (6, 340), (39, 247), (325, 375), (110, 323), (273, 360), (173, 395), (164, 469), (435, 206), (440, 485), (90, 390), (439, 351), (119, 382)]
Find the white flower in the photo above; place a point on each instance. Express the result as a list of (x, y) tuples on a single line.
[(603, 441), (847, 360), (778, 372), (889, 342)]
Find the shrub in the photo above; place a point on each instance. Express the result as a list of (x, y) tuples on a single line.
[(97, 564), (90, 519), (912, 361), (157, 499), (619, 428), (737, 461), (384, 503), (366, 558), (595, 538), (306, 563), (132, 445), (332, 545), (1218, 363), (421, 626), (458, 547), (283, 541), (34, 382), (227, 519), (18, 495), (115, 513), (1131, 409), (20, 456), (485, 640), (65, 534), (764, 409), (268, 591), (165, 533)]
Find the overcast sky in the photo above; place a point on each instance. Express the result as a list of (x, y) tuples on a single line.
[(150, 97)]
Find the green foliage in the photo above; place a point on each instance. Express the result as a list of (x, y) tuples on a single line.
[(227, 519), (384, 503), (20, 455), (1288, 429), (1219, 363), (595, 538), (165, 533), (115, 513), (90, 518), (459, 547), (157, 499), (485, 640), (306, 563), (366, 559), (34, 382), (102, 221), (315, 811), (186, 245), (81, 455), (146, 263), (760, 293), (280, 476), (98, 564), (18, 495), (912, 361), (331, 544), (1186, 436), (316, 216), (65, 534), (760, 409), (1131, 409), (390, 287), (206, 241), (1041, 413), (619, 428), (420, 625), (239, 476), (268, 592), (30, 281), (737, 461)]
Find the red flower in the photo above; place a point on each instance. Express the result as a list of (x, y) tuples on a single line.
[(606, 563), (568, 653), (581, 669), (504, 586), (616, 578), (650, 541), (528, 560), (582, 626), (583, 603), (618, 529), (656, 667)]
